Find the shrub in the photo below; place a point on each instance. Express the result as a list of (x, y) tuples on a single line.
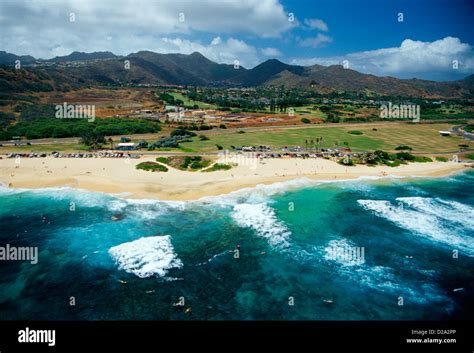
[(218, 166), (332, 118), (346, 161), (441, 159), (305, 120), (195, 165), (355, 132), (469, 156), (219, 147), (163, 160), (403, 148), (152, 167), (182, 132), (382, 154), (395, 163), (203, 138), (405, 156), (422, 159), (168, 142)]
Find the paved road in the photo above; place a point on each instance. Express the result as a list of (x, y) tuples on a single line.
[(464, 134)]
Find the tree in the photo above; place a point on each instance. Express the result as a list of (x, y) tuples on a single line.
[(109, 140), (403, 148), (92, 138)]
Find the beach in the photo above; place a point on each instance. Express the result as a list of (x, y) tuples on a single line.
[(121, 176)]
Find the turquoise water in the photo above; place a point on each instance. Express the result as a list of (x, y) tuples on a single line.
[(262, 253)]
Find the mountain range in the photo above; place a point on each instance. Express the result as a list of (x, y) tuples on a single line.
[(146, 67)]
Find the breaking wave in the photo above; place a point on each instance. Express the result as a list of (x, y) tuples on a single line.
[(425, 219), (262, 219), (146, 257)]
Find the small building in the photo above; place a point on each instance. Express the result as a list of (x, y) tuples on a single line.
[(445, 133), (126, 146), (171, 108)]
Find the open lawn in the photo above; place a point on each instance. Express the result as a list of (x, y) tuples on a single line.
[(421, 137), (284, 137), (59, 147)]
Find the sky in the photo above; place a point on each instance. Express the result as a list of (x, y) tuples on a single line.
[(426, 39)]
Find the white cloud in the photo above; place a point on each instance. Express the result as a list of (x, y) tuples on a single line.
[(315, 23), (43, 29), (317, 41), (411, 57), (216, 41), (273, 52)]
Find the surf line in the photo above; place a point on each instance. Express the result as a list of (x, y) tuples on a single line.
[(22, 253)]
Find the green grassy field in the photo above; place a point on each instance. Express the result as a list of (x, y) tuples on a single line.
[(59, 147), (422, 138), (287, 137), (187, 101)]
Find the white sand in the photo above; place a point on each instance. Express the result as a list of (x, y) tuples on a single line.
[(120, 175)]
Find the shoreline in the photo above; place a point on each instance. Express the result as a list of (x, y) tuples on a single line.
[(119, 176)]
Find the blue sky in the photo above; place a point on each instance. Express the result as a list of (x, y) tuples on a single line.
[(434, 41), (371, 24)]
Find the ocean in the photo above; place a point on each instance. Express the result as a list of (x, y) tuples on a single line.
[(367, 249)]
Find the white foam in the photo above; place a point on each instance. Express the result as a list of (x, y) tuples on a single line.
[(449, 210), (146, 209), (422, 223), (262, 192), (146, 256), (81, 197), (263, 220), (257, 194), (116, 205), (344, 252), (382, 279)]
